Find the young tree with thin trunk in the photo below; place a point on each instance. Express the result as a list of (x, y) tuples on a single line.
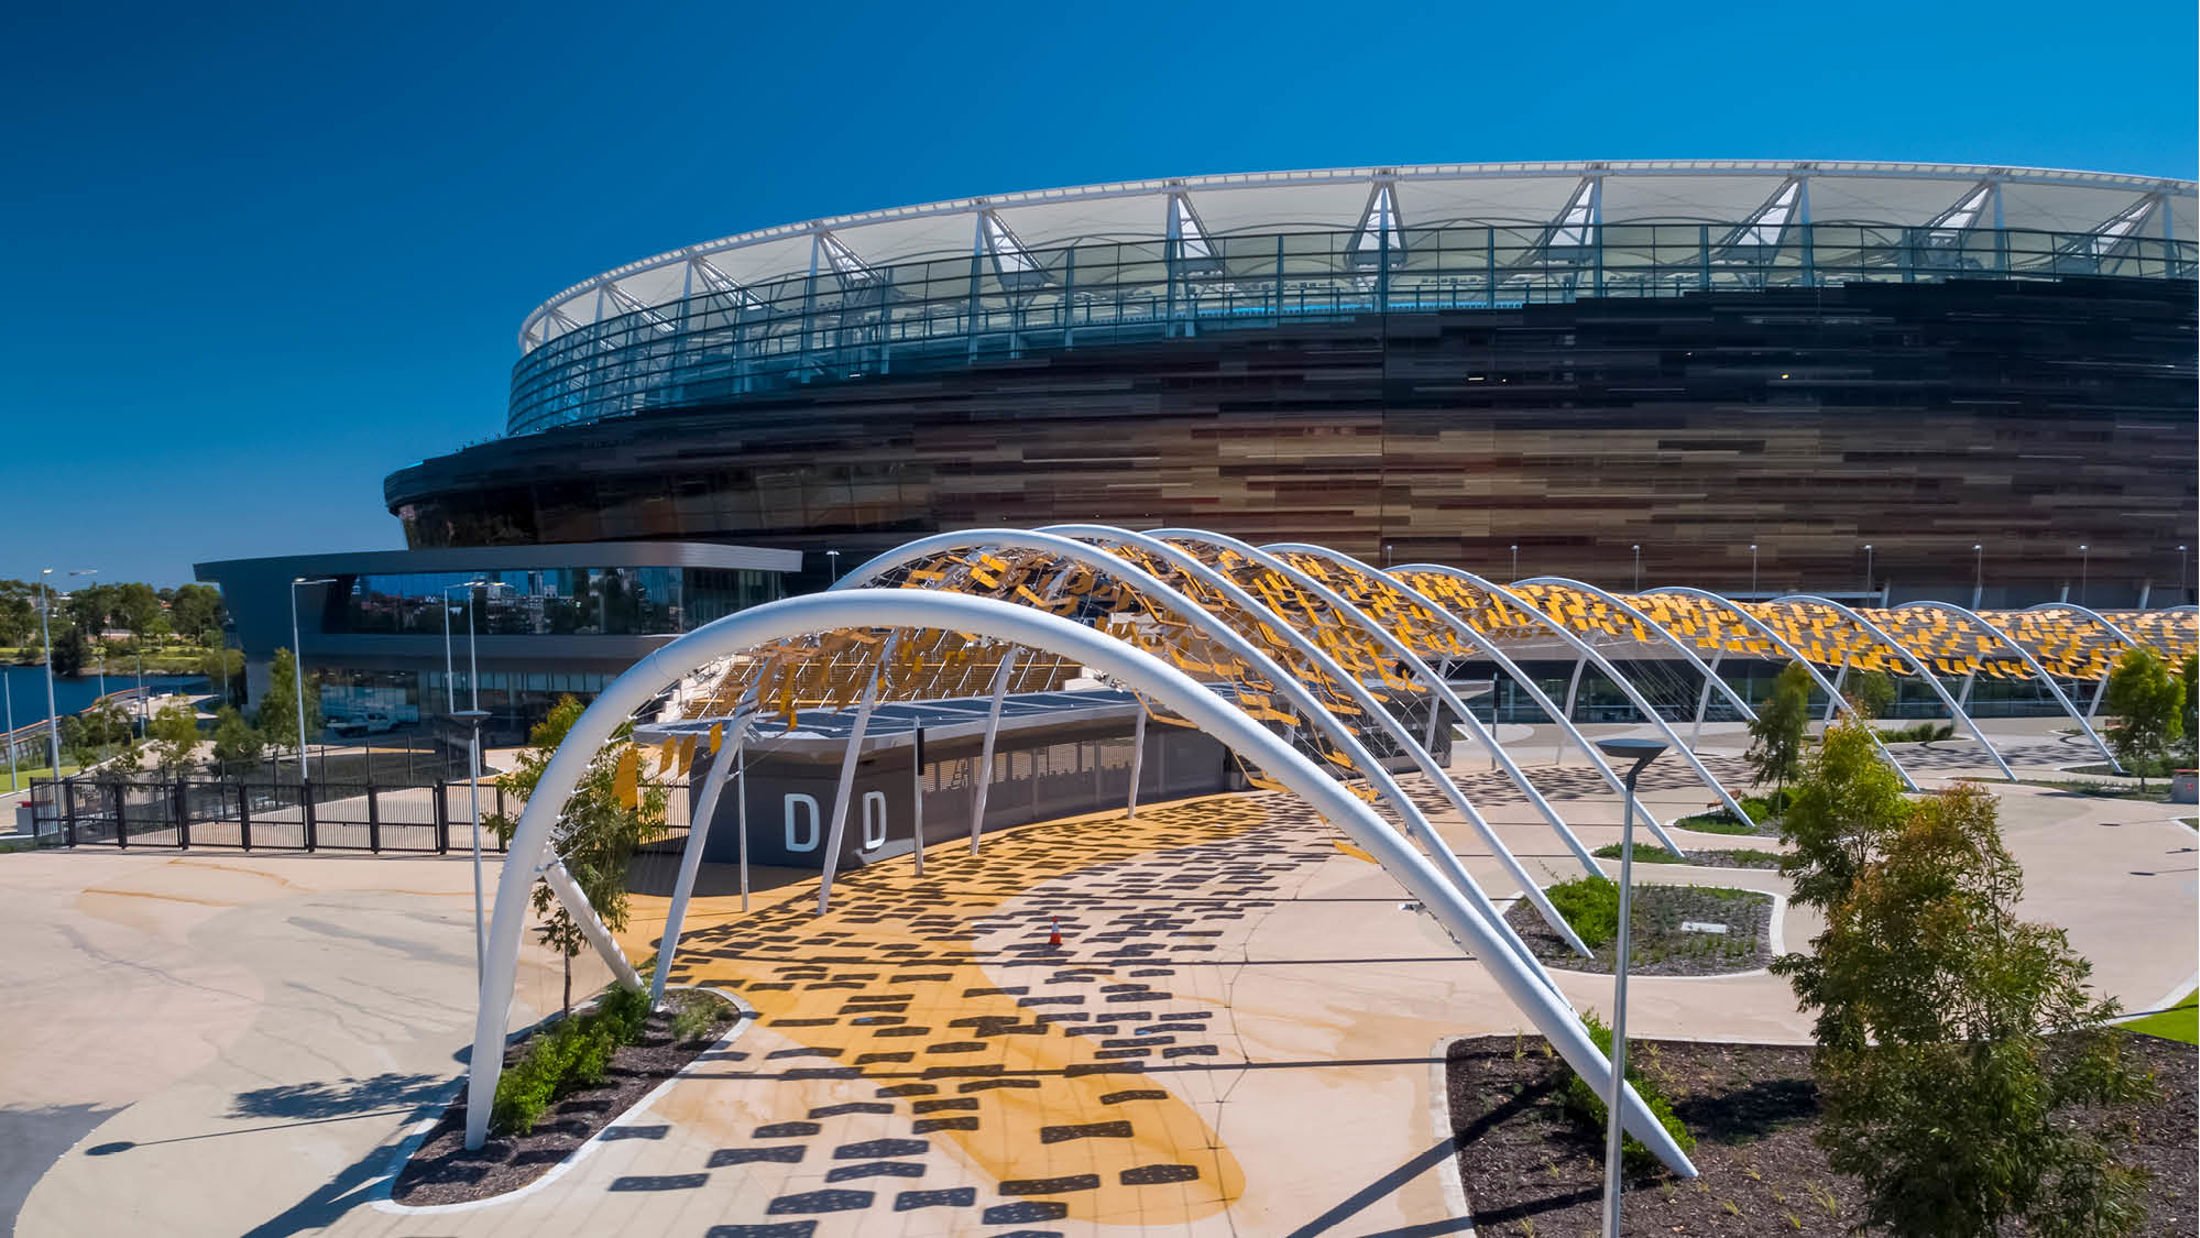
[(2148, 704), (1776, 737), (607, 818), (174, 733)]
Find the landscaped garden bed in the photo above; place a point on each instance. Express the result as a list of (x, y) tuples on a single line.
[(1708, 857), (1532, 1166), (1764, 817), (561, 1086), (1660, 945)]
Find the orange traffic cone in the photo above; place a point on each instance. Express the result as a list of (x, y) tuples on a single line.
[(1054, 931)]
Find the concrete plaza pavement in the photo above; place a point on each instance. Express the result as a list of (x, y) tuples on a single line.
[(223, 1044)]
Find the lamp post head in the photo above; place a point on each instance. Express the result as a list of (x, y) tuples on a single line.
[(1976, 546), (2083, 546), (1640, 751)]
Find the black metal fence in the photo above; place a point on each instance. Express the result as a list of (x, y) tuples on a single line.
[(184, 813)]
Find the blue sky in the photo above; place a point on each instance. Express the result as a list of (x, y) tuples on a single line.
[(260, 256)]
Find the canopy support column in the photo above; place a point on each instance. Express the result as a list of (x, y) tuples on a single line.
[(985, 759), (1138, 760), (691, 854), (848, 774), (1703, 699)]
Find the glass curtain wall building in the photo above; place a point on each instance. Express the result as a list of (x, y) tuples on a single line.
[(386, 632)]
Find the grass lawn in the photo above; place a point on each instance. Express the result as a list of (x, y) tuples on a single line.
[(2180, 1022), (1720, 822), (22, 780)]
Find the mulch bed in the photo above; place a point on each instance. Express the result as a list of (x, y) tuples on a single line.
[(1659, 947), (442, 1171), (1712, 858), (1529, 1169)]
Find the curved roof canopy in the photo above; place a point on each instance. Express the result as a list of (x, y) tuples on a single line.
[(1755, 206)]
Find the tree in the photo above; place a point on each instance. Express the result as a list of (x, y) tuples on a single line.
[(1847, 802), (18, 613), (608, 816), (1776, 737), (174, 733), (136, 606), (88, 736), (196, 609), (1942, 1091), (223, 667), (2148, 704), (71, 651), (278, 716), (236, 745), (90, 607), (1871, 693), (2188, 677)]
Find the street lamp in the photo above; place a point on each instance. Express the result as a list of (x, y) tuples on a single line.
[(1638, 567), (1867, 567), (1753, 568), (298, 671), (2182, 551), (1642, 752), (1386, 554), (2085, 569), (450, 678), (100, 637), (1978, 573), (473, 796), (45, 632), (832, 559), (7, 685), (1516, 562)]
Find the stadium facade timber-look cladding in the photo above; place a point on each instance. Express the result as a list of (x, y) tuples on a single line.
[(1429, 363)]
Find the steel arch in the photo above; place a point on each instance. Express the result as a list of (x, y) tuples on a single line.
[(1612, 672), (1416, 822), (1754, 624), (1916, 663), (2034, 663), (871, 608)]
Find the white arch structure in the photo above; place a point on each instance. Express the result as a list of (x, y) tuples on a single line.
[(1417, 669), (1598, 660), (1676, 644), (1779, 642), (1215, 629), (1488, 648), (2085, 727), (1917, 662), (907, 608)]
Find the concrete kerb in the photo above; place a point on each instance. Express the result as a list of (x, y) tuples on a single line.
[(380, 1189)]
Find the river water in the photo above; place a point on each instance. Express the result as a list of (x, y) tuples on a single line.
[(25, 686)]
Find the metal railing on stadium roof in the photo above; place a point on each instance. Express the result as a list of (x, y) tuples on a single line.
[(950, 312)]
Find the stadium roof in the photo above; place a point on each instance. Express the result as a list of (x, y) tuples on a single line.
[(1755, 201)]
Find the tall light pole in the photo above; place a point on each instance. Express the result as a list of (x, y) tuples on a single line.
[(473, 795), (1867, 567), (1642, 752), (1753, 569), (7, 685), (298, 672), (2085, 569), (832, 559), (1978, 573), (101, 638), (1516, 563), (450, 678), (45, 631), (2182, 552), (1638, 567)]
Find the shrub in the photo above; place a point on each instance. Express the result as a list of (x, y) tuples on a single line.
[(575, 1053), (1587, 1108), (1919, 733), (1590, 905), (693, 1022)]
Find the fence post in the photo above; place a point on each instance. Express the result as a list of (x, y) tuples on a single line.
[(244, 816), (374, 821), (183, 818), (442, 819), (120, 795), (65, 799), (500, 817), (305, 813)]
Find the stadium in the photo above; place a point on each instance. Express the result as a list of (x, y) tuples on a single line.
[(1855, 379)]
